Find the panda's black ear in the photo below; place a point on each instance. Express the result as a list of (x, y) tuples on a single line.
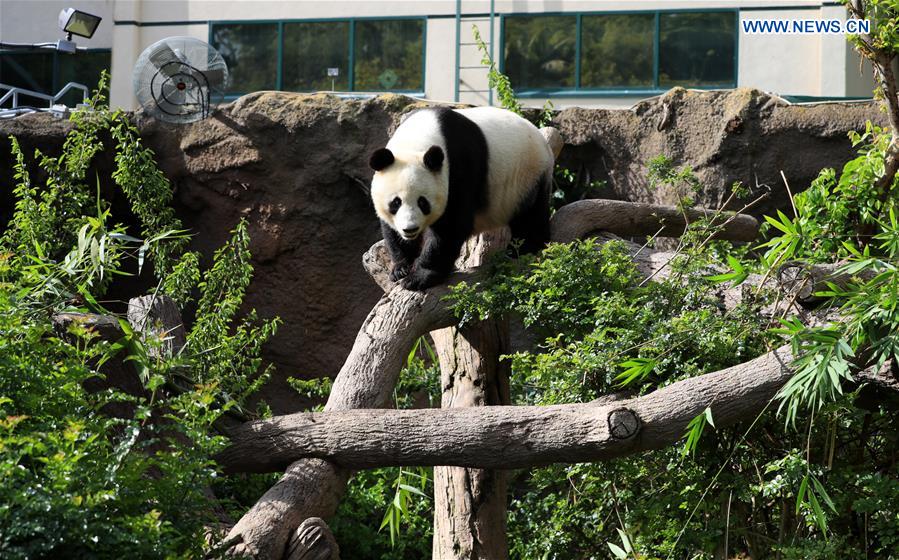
[(434, 158), (381, 159)]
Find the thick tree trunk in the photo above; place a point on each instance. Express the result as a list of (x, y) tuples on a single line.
[(470, 504), (500, 437)]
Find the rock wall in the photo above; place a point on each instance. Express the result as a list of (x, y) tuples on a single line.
[(296, 167), (726, 136)]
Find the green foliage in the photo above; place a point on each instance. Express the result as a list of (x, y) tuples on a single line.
[(884, 36), (681, 180), (849, 219), (496, 79), (102, 473), (848, 216), (602, 328), (625, 550), (695, 428), (833, 216), (227, 351), (147, 189), (823, 364), (399, 506), (316, 389), (570, 187), (77, 481), (356, 524), (46, 219)]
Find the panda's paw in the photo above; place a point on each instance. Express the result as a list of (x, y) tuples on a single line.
[(399, 271), (421, 279)]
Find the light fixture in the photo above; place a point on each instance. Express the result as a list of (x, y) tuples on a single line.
[(76, 22)]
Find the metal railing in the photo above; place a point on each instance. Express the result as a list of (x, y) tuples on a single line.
[(13, 93)]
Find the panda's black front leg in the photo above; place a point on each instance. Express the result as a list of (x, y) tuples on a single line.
[(438, 256), (402, 252)]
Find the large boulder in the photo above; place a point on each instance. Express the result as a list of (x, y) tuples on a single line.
[(726, 136), (296, 166)]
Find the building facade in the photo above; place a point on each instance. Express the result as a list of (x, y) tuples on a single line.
[(589, 53)]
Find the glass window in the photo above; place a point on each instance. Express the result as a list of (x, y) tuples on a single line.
[(251, 52), (388, 55), (47, 72), (697, 49), (617, 51), (539, 51), (310, 49), (28, 70), (83, 68)]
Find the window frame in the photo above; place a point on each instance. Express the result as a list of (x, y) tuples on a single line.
[(578, 91), (351, 59)]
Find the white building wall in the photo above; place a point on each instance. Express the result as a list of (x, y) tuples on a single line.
[(36, 21), (440, 59), (786, 64), (813, 65)]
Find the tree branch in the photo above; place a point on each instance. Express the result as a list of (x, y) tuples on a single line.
[(576, 220), (509, 437)]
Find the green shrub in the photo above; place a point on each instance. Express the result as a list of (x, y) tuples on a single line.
[(78, 483)]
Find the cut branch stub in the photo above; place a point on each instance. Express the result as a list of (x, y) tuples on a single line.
[(623, 423), (803, 281), (576, 220)]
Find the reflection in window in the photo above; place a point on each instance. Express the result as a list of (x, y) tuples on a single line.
[(48, 71), (696, 49), (251, 52), (388, 55), (32, 71), (83, 68), (539, 51), (310, 48), (617, 51)]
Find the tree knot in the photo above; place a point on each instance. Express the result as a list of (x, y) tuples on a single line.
[(623, 423)]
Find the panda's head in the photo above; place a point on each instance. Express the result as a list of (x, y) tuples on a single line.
[(409, 189)]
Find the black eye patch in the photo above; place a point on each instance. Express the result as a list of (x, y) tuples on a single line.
[(394, 205), (424, 205)]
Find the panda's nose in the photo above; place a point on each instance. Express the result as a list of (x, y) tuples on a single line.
[(410, 231)]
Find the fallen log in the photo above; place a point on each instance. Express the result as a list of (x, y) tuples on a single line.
[(576, 220), (498, 437)]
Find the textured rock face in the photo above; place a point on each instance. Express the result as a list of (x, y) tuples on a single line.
[(726, 136), (296, 167)]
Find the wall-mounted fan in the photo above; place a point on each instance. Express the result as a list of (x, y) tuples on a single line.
[(179, 79)]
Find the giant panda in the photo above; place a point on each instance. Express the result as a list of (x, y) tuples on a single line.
[(447, 174)]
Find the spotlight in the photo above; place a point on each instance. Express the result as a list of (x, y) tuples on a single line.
[(76, 22)]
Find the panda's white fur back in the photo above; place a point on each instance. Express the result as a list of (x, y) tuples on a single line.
[(518, 156)]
